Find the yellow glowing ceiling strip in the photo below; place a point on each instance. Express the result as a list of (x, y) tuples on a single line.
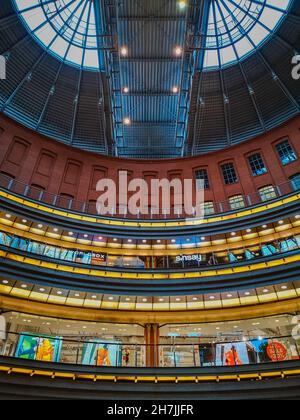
[(154, 224)]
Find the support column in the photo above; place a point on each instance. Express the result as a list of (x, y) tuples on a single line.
[(152, 341)]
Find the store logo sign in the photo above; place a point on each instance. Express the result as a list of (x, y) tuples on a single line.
[(2, 67), (188, 258), (296, 67), (2, 328)]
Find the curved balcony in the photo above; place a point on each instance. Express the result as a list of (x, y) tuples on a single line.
[(120, 212), (29, 267), (283, 199)]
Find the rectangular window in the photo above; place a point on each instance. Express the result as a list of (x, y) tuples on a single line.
[(202, 175), (286, 152), (237, 202), (257, 165), (209, 208), (229, 174), (295, 179), (267, 193)]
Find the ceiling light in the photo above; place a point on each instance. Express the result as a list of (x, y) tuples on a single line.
[(24, 286), (55, 230), (24, 221), (110, 298), (249, 230), (194, 298), (125, 89), (71, 233), (161, 300), (40, 226), (178, 299), (182, 5), (85, 236), (124, 51), (211, 297), (5, 281), (284, 287), (280, 222), (266, 290), (175, 89), (264, 226), (8, 216), (144, 241), (59, 292), (42, 290), (233, 234), (178, 51), (145, 300), (77, 294), (127, 121), (229, 296), (94, 297)]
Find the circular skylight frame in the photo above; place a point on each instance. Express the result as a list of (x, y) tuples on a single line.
[(252, 24), (64, 28)]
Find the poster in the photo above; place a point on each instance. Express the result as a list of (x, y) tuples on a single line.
[(102, 353), (42, 348), (232, 354)]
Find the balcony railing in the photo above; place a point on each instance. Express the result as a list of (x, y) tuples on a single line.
[(120, 212), (255, 253), (176, 352)]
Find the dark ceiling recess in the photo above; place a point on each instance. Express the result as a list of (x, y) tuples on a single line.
[(213, 108)]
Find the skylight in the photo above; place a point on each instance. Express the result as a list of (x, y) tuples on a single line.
[(65, 28), (237, 27)]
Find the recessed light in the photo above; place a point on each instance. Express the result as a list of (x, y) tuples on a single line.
[(178, 51), (124, 51), (41, 290), (24, 221), (110, 298), (266, 290), (8, 216), (24, 286), (126, 89), (94, 297), (5, 281), (40, 226), (175, 89), (280, 222), (212, 297), (127, 121), (59, 292)]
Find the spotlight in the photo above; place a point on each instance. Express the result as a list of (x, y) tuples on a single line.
[(124, 51)]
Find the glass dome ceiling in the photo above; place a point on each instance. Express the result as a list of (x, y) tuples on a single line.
[(237, 27), (67, 28)]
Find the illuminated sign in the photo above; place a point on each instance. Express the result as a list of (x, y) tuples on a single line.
[(189, 258)]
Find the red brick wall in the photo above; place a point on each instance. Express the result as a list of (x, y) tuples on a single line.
[(60, 169)]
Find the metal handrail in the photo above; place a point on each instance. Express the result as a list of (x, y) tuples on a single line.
[(89, 208)]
